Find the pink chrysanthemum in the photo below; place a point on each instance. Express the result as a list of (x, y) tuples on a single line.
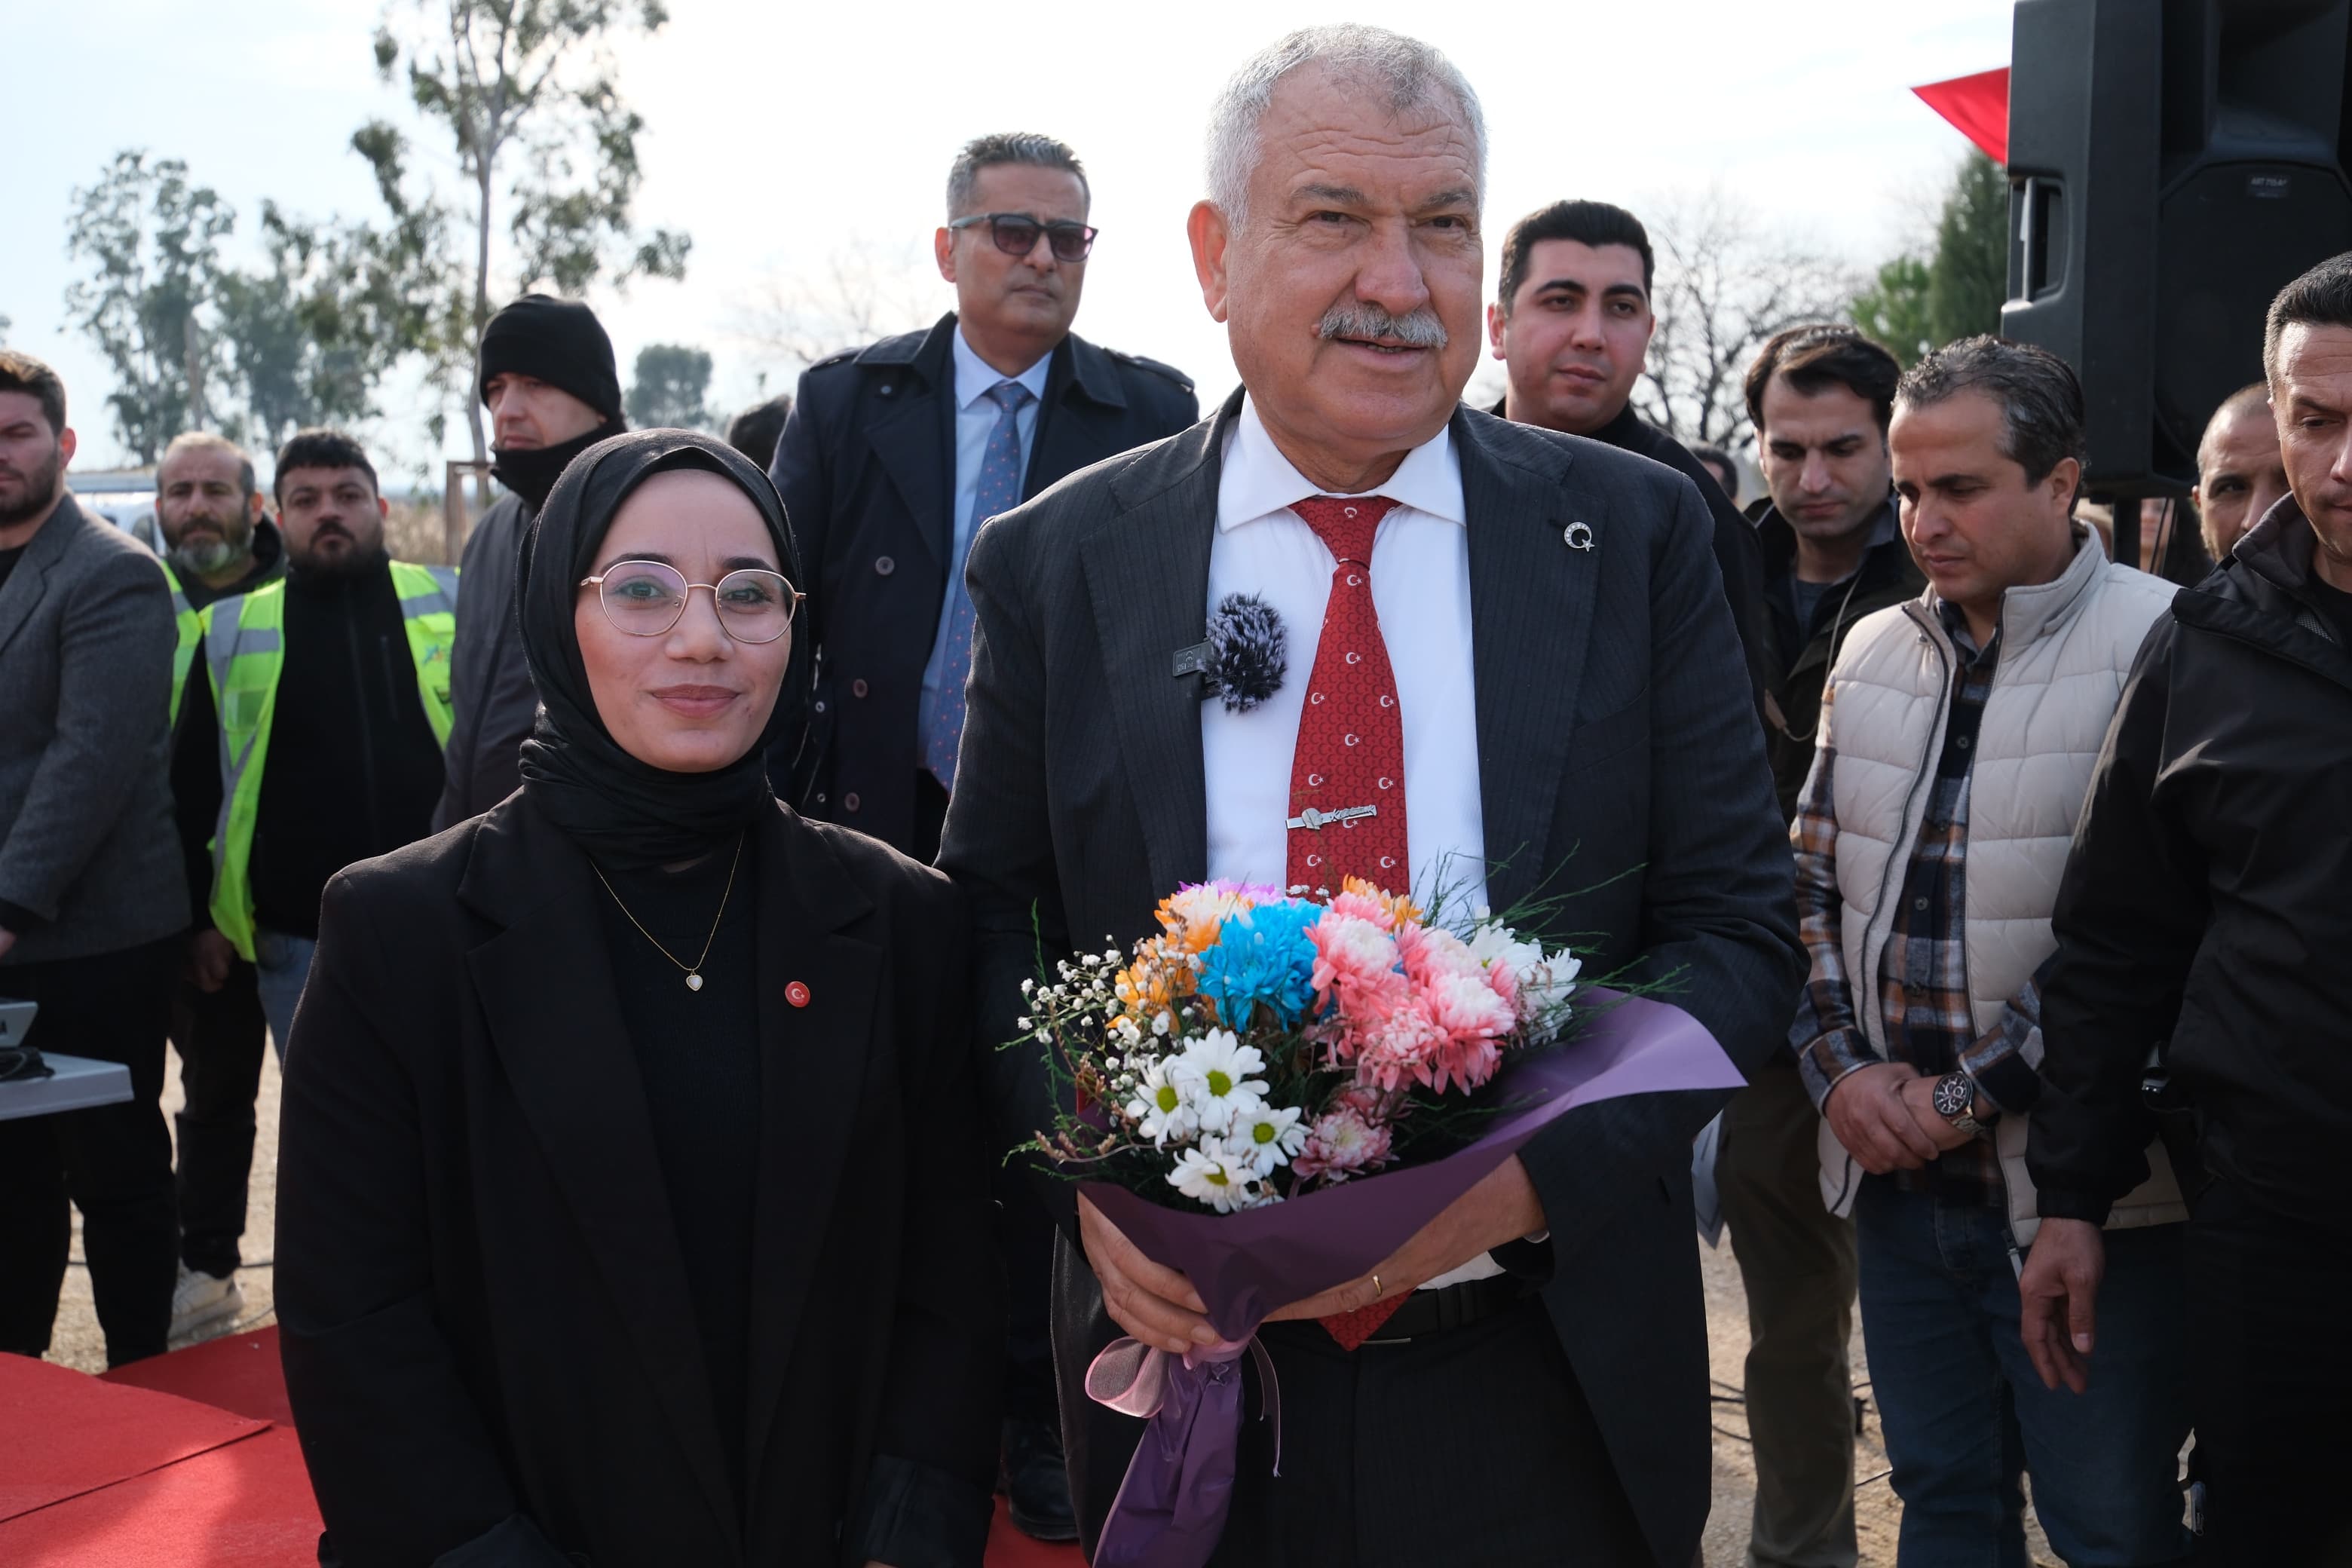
[(1361, 904), (1399, 1046), (1355, 965), (1428, 952), (1344, 1142)]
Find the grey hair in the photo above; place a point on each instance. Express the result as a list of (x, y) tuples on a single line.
[(1008, 147), (1405, 71), (2041, 397), (205, 441)]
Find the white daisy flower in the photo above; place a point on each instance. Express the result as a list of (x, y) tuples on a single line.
[(1216, 1176), (1214, 1073), (1500, 947), (1163, 1109), (1545, 984), (1268, 1137)]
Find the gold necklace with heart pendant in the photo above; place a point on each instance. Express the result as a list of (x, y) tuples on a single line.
[(694, 970)]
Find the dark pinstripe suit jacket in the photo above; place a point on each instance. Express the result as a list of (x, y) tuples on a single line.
[(1620, 769)]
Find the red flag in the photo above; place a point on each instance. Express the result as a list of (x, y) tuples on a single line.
[(1977, 106)]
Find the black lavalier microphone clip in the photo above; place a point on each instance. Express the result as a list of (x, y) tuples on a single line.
[(1245, 658)]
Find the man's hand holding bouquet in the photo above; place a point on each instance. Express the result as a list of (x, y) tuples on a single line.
[(1284, 1108)]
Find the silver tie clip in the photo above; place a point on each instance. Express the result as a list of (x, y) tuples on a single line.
[(1314, 820)]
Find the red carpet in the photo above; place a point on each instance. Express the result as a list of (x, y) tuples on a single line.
[(63, 1434), (1008, 1548), (246, 1505), (240, 1372), (190, 1459)]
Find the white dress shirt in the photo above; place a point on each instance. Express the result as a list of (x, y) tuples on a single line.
[(975, 421), (1421, 589)]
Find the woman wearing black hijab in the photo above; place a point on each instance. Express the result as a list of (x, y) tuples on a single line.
[(631, 1201)]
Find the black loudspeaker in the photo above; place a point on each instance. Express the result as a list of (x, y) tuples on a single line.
[(2172, 164)]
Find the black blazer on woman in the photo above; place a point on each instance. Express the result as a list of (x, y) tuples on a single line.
[(488, 1340)]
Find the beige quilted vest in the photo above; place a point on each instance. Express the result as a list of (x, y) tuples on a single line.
[(2066, 649)]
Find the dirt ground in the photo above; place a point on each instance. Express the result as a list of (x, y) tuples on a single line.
[(77, 1342), (1877, 1514)]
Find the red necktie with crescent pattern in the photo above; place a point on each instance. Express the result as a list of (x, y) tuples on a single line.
[(1346, 776)]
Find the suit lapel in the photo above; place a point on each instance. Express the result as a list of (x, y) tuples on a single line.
[(555, 1024), (1071, 434), (1078, 418), (1147, 575), (1531, 601), (30, 581), (813, 1064), (913, 436)]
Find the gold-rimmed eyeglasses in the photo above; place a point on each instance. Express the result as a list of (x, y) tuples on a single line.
[(647, 598)]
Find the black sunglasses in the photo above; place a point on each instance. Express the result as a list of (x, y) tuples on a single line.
[(1015, 234)]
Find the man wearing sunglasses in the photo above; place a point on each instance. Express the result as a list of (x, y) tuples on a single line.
[(895, 453), (893, 457)]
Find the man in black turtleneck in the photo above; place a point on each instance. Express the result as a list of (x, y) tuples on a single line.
[(1571, 319), (309, 732), (553, 390)]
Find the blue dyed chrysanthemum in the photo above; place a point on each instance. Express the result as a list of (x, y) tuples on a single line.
[(1263, 956)]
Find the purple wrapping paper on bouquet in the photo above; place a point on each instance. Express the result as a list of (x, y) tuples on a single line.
[(1172, 1506)]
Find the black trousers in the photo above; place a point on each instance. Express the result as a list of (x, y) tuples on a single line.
[(1474, 1445), (113, 1161), (221, 1036), (2271, 1382), (1025, 1231)]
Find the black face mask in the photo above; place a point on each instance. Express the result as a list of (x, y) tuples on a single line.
[(532, 472), (625, 812)]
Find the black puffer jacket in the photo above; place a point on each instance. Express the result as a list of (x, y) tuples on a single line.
[(2208, 902)]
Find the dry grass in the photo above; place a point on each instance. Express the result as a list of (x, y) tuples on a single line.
[(414, 532)]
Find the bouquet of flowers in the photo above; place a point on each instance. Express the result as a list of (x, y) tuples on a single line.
[(1263, 1044), (1272, 1095)]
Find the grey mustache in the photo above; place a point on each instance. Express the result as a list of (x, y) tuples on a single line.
[(1418, 329)]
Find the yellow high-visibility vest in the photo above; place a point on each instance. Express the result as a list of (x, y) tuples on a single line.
[(245, 653), (191, 627)]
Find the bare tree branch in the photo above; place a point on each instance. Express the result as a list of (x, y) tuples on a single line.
[(865, 290), (1725, 285)]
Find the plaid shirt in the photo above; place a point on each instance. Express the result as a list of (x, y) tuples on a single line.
[(1923, 976)]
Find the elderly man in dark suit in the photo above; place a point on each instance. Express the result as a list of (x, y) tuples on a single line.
[(891, 458), (93, 903), (1564, 714)]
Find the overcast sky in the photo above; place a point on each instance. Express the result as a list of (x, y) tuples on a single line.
[(781, 136)]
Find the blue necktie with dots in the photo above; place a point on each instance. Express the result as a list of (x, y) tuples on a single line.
[(1000, 491)]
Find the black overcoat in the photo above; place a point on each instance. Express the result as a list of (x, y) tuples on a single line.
[(486, 1326), (866, 470)]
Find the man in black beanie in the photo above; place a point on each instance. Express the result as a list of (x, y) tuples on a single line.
[(553, 391)]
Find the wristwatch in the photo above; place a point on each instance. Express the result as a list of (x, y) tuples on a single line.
[(1955, 1099)]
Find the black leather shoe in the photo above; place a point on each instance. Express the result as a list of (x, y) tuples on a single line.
[(1037, 1481)]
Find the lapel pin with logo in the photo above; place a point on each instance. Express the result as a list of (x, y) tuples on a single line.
[(1578, 535), (797, 995)]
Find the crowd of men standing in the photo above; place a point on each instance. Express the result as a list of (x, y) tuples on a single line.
[(2062, 1270)]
